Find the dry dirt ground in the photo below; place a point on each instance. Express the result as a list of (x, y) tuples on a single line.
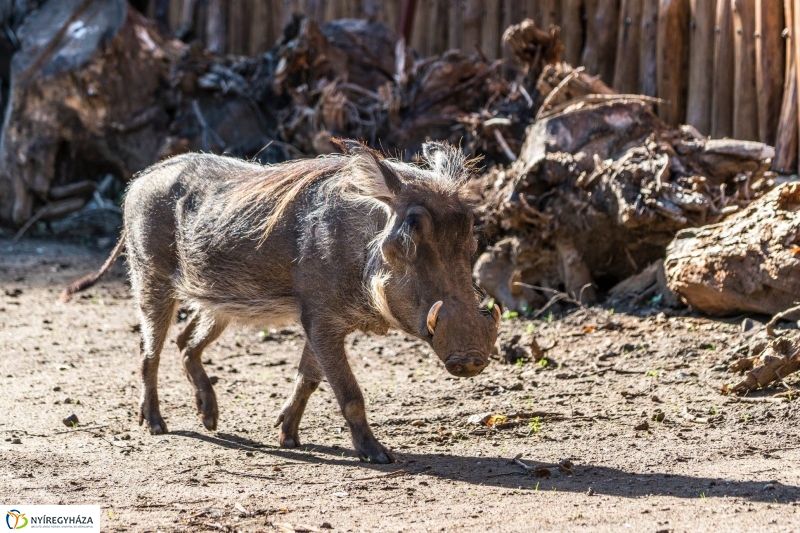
[(714, 463)]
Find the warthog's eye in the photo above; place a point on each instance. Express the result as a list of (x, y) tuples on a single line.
[(413, 221)]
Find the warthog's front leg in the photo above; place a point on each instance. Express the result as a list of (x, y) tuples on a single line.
[(332, 358), (309, 375)]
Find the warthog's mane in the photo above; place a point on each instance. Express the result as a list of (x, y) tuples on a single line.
[(259, 200), (262, 198)]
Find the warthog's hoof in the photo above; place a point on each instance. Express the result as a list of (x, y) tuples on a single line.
[(206, 402), (154, 422), (375, 453), (287, 441)]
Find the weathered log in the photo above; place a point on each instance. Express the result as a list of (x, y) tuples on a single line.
[(647, 57), (626, 69), (69, 118), (748, 263), (672, 59), (745, 102), (769, 51), (701, 65), (722, 91)]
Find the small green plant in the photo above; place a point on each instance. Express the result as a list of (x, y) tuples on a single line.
[(652, 373), (746, 417), (535, 425), (536, 488), (519, 362), (714, 410), (703, 496), (529, 328), (507, 314), (711, 347), (543, 362), (549, 317), (789, 397), (611, 311)]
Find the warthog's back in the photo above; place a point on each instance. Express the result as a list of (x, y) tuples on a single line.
[(242, 239)]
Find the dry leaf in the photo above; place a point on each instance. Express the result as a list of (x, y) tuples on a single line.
[(496, 419)]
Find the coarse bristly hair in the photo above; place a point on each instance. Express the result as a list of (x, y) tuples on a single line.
[(260, 199), (354, 177)]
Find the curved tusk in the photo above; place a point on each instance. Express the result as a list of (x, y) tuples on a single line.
[(496, 314), (433, 315)]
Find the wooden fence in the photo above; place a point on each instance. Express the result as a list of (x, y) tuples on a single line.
[(726, 67)]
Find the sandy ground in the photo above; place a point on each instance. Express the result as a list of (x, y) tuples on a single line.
[(714, 463)]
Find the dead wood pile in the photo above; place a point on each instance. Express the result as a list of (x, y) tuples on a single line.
[(356, 79), (600, 188), (95, 90), (750, 262), (85, 99)]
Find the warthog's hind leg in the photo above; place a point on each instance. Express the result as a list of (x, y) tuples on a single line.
[(202, 330), (308, 377), (157, 311)]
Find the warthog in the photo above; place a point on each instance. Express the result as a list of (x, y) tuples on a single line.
[(342, 243)]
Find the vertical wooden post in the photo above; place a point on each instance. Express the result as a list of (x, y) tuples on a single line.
[(420, 37), (626, 67), (217, 26), (769, 67), (745, 106), (722, 91), (543, 12), (701, 64), (672, 59), (438, 27), (647, 55), (572, 34), (786, 142), (406, 24), (490, 29), (601, 38), (796, 42), (455, 30), (472, 24)]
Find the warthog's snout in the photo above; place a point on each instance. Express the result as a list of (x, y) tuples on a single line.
[(450, 333), (466, 366)]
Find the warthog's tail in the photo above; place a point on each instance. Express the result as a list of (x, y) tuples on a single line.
[(87, 281)]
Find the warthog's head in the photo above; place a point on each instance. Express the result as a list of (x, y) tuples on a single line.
[(424, 283)]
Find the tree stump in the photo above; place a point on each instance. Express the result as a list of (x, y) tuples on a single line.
[(86, 101)]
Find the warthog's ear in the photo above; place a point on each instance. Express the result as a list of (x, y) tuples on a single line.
[(393, 181), (447, 163), (437, 155)]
